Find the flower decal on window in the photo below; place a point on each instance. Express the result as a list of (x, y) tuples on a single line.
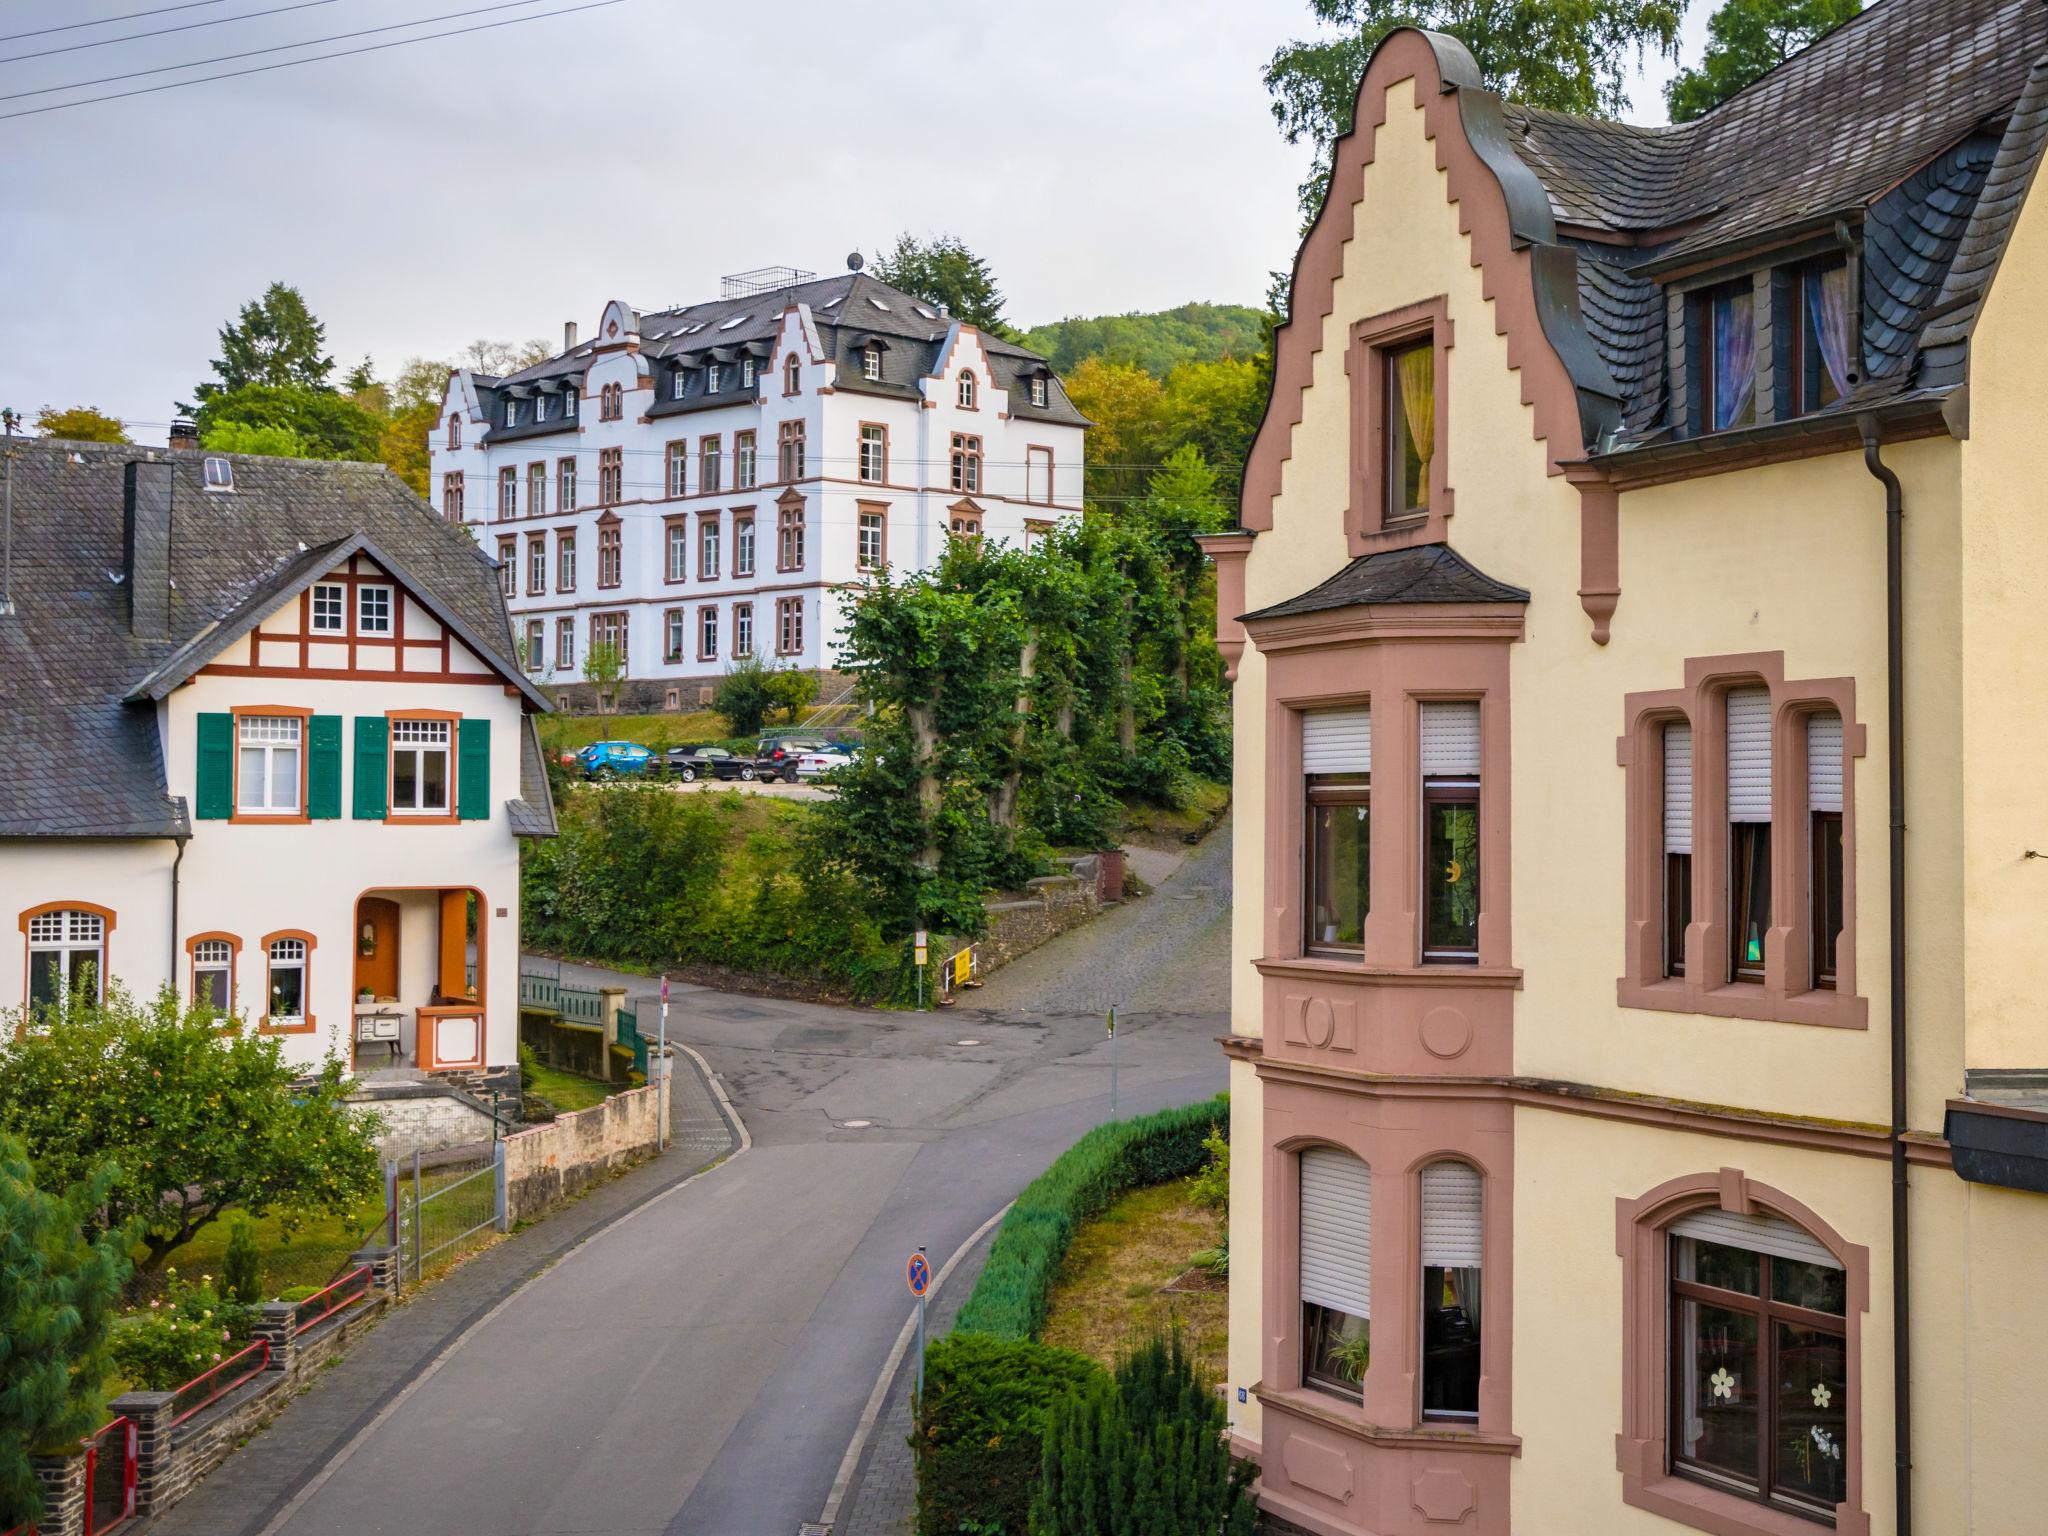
[(1821, 1395), (1722, 1383)]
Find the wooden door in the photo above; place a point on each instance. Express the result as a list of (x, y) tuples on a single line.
[(377, 932)]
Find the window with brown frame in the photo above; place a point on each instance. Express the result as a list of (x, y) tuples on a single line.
[(870, 554), (1725, 369), (1822, 335), (565, 643), (790, 447), (451, 496), (966, 463), (965, 525), (707, 546), (1453, 1232), (454, 430), (678, 468), (611, 476), (536, 645), (1824, 868), (742, 630), (537, 489), (1749, 831), (743, 546), (508, 492), (1759, 1363), (743, 460), (508, 566), (789, 539), (1450, 815), (1677, 737), (565, 484), (1409, 390), (672, 635), (610, 629), (1335, 1270), (710, 465), (612, 402), (792, 375), (536, 565), (1339, 862), (874, 452), (707, 634), (789, 625), (1038, 476), (608, 555), (676, 549)]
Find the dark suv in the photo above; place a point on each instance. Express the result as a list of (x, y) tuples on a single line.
[(692, 763), (780, 750)]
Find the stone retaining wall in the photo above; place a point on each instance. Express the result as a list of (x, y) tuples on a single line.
[(548, 1164), (1052, 904)]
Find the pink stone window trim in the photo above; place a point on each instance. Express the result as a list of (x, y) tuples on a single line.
[(1786, 994), (1365, 361), (1642, 1451)]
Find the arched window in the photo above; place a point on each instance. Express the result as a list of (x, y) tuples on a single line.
[(1336, 1270), (67, 955), (612, 402), (288, 988), (792, 375), (1453, 1227), (454, 429), (967, 391), (213, 970)]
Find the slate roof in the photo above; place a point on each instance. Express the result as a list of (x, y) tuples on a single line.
[(846, 309), (84, 761), (1905, 121), (1424, 573)]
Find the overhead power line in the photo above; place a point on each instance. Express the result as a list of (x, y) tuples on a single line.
[(250, 53), (73, 26), (340, 53), (190, 26)]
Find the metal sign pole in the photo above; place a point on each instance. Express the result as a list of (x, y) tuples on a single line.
[(1112, 1062), (665, 1086), (920, 1341)]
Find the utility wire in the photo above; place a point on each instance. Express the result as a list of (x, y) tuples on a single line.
[(73, 26), (311, 42), (343, 53), (190, 26)]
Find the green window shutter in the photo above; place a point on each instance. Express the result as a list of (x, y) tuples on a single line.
[(473, 770), (323, 768), (373, 745), (216, 787)]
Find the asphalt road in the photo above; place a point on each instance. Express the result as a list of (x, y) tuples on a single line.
[(700, 1366)]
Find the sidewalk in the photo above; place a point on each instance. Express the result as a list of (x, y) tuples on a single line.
[(250, 1490)]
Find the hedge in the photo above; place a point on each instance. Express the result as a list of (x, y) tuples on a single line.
[(980, 1429), (1009, 1300)]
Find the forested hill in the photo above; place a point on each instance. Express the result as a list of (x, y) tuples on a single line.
[(1193, 333)]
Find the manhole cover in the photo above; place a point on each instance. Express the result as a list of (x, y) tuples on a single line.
[(855, 1125), (967, 1042)]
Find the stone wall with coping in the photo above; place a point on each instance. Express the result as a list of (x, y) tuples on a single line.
[(1050, 906), (548, 1164)]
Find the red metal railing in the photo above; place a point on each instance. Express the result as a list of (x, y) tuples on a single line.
[(110, 1478), (237, 1370), (346, 1292)]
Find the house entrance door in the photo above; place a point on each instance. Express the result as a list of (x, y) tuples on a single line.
[(377, 947)]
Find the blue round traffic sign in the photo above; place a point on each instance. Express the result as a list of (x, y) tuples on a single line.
[(919, 1274)]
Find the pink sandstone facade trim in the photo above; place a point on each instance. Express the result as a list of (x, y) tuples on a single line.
[(1365, 364)]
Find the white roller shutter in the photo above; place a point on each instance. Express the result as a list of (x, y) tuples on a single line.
[(1336, 1231), (1760, 1233), (1453, 1216), (1336, 741), (1450, 739), (1678, 787), (1824, 763), (1749, 754)]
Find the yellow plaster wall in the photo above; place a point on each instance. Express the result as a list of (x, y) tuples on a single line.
[(2004, 707), (1247, 1247)]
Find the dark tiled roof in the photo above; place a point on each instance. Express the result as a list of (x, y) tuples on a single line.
[(1909, 238), (1623, 312), (82, 761), (1426, 573)]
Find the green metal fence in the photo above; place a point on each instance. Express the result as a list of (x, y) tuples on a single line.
[(630, 1036)]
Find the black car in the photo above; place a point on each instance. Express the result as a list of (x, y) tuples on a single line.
[(692, 763)]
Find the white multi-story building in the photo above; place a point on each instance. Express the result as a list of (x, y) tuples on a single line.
[(696, 485)]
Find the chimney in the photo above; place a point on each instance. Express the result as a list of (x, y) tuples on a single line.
[(184, 435), (146, 547), (568, 335)]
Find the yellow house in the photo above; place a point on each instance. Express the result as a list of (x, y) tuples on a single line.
[(1638, 628)]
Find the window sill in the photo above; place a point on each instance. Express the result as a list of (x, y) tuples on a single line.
[(304, 1026), (1704, 1508), (1331, 968), (1822, 1006), (1331, 1412)]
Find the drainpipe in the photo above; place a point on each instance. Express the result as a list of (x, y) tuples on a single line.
[(1895, 754), (174, 908)]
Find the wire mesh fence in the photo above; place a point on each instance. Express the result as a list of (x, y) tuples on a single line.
[(445, 1212)]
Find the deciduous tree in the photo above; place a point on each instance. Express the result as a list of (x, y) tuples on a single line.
[(328, 425), (1128, 407), (1746, 39), (603, 666), (80, 424), (1569, 55)]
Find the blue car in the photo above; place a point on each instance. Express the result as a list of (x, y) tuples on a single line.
[(614, 759)]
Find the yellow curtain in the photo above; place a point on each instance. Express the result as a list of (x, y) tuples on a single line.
[(1416, 370)]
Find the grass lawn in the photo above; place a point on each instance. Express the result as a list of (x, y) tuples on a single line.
[(565, 1090), (313, 1255), (1157, 826), (1108, 1298)]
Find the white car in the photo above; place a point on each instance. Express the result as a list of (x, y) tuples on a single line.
[(810, 765)]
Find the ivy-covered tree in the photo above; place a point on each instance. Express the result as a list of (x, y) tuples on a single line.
[(1746, 39), (61, 1273), (199, 1122)]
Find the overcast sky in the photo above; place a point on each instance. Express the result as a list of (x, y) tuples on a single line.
[(1104, 155)]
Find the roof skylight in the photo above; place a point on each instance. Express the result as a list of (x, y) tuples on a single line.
[(735, 321)]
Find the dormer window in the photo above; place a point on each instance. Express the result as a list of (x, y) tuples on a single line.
[(871, 364), (220, 473), (968, 393), (713, 375), (746, 373), (1038, 392), (540, 408), (569, 402), (511, 412), (1727, 366), (1823, 340), (682, 382)]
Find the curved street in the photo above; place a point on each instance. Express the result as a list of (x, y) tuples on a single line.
[(701, 1362)]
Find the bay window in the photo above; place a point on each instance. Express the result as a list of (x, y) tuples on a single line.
[(1749, 830), (1450, 813), (269, 757), (1336, 761), (1453, 1235), (1336, 1270)]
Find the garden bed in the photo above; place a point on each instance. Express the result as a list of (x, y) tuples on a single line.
[(1113, 1288)]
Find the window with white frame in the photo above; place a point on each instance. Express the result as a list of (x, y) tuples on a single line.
[(746, 373), (1336, 1270), (67, 958), (871, 364), (454, 430), (220, 473), (287, 991), (714, 376), (678, 468), (213, 974), (508, 566), (1038, 389), (968, 392), (707, 546), (672, 635), (569, 401), (789, 625), (373, 610), (565, 484), (565, 562), (420, 750), (270, 751), (330, 608), (869, 555), (707, 634), (537, 489), (565, 643), (743, 546), (536, 565), (678, 546), (710, 464), (508, 492), (743, 630), (536, 645), (743, 459), (874, 452), (682, 383)]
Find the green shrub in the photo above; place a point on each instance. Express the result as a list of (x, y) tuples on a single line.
[(1143, 1455), (980, 1428), (1009, 1299), (300, 1292), (186, 1332), (241, 1268)]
